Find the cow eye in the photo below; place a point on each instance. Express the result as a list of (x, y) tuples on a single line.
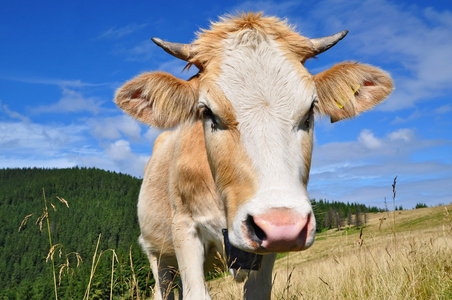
[(208, 115), (307, 122)]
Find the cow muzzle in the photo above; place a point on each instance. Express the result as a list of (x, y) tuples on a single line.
[(280, 230)]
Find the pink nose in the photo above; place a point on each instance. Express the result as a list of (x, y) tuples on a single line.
[(282, 230)]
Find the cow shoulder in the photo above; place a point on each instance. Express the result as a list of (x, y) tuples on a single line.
[(154, 208)]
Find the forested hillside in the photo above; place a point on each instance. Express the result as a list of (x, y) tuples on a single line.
[(99, 204), (337, 214)]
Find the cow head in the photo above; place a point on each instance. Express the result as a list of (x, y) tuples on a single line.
[(257, 102)]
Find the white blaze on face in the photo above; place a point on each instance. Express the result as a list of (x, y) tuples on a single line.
[(271, 96)]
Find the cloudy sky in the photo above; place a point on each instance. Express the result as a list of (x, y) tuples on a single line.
[(61, 61)]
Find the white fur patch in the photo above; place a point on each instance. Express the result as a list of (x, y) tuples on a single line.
[(269, 97)]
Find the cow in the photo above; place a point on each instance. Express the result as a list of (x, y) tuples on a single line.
[(239, 155)]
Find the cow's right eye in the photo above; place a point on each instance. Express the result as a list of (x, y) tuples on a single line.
[(208, 115)]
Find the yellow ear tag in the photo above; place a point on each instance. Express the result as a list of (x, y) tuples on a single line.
[(355, 89)]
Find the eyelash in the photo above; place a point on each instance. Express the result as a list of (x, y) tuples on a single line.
[(208, 114), (307, 122)]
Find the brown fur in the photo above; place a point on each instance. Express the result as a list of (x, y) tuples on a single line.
[(159, 99), (191, 178), (306, 149), (232, 170), (177, 180), (160, 139)]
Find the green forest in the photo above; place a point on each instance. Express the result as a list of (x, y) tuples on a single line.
[(99, 203), (78, 227)]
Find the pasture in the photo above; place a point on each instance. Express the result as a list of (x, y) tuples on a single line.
[(400, 255)]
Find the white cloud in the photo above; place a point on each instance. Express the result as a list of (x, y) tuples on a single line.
[(61, 146), (71, 102), (416, 114), (64, 83), (117, 33), (404, 134), (368, 139), (395, 146), (121, 156), (19, 137), (119, 150), (37, 145), (444, 109), (151, 134), (176, 67), (141, 52), (13, 114), (113, 127)]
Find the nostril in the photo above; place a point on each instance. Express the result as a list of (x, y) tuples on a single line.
[(280, 230), (255, 232)]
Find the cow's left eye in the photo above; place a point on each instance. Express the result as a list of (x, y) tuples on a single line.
[(307, 122)]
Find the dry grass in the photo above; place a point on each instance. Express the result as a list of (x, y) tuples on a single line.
[(401, 255)]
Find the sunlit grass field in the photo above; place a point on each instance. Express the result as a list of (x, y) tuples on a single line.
[(398, 255)]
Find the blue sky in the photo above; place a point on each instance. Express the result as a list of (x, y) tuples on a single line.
[(61, 61)]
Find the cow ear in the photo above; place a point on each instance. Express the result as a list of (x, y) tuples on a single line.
[(159, 99), (348, 89)]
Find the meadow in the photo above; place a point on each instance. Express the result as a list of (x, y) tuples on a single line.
[(85, 247), (398, 255)]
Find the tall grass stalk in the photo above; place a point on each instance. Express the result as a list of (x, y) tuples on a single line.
[(394, 193), (93, 268), (46, 216), (112, 272), (52, 248), (134, 277)]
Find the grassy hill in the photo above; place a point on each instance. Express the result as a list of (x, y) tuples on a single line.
[(90, 217), (399, 255)]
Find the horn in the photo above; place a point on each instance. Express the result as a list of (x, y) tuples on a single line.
[(181, 51), (325, 43)]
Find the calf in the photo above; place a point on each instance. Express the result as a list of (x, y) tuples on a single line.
[(240, 156)]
